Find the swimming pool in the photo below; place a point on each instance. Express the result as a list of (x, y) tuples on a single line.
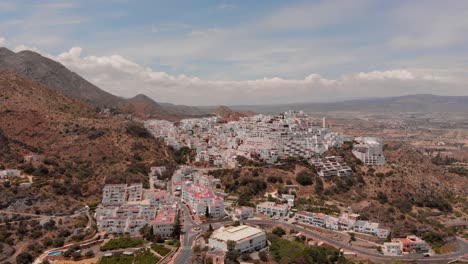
[(55, 253)]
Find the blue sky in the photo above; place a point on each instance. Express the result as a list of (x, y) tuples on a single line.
[(258, 52)]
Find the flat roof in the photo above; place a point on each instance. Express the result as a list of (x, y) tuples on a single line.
[(237, 233)]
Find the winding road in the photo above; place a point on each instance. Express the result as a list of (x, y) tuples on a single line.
[(190, 236), (460, 253)]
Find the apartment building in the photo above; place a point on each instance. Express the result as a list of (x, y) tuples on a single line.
[(369, 151), (316, 219), (206, 180), (372, 228), (289, 199), (114, 194), (344, 222), (128, 208), (331, 166), (406, 245), (165, 220), (201, 198), (290, 134), (247, 239), (272, 209), (244, 212)]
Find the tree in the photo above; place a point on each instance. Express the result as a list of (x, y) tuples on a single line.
[(246, 257), (232, 255), (207, 212), (319, 186), (279, 231), (76, 255), (89, 254), (231, 245), (147, 232), (304, 178), (68, 253), (263, 256), (24, 258), (59, 242), (382, 197), (177, 229)]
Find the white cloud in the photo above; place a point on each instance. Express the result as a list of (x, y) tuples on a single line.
[(124, 77), (2, 40), (385, 75), (430, 24), (312, 15)]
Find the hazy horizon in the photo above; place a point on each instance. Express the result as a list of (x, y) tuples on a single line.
[(243, 53)]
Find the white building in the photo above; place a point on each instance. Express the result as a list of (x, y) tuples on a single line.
[(392, 249), (332, 166), (126, 209), (369, 151), (246, 239), (164, 222), (409, 244), (289, 198), (268, 138), (201, 198), (244, 212), (371, 228), (272, 209), (114, 194), (12, 173), (316, 219)]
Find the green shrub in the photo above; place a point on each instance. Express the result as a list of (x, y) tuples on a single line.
[(160, 249), (146, 257), (122, 242), (305, 178)]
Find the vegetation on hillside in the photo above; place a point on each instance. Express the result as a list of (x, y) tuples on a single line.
[(284, 251), (122, 242)]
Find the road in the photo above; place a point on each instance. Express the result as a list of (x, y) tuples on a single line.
[(462, 250), (44, 218), (189, 236)]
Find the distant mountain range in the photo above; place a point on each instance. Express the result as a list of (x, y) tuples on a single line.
[(407, 103), (55, 76)]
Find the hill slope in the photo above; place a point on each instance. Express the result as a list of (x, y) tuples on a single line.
[(54, 75), (82, 149)]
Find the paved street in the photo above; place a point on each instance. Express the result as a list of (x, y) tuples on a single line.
[(462, 250), (189, 235)]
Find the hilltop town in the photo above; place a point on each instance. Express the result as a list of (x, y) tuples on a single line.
[(241, 189)]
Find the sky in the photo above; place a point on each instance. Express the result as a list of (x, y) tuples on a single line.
[(250, 52)]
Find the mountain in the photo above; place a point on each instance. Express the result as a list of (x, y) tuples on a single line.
[(228, 114), (81, 148), (54, 75), (408, 103)]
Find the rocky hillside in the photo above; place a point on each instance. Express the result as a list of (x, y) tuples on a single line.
[(410, 193), (81, 148), (54, 75)]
